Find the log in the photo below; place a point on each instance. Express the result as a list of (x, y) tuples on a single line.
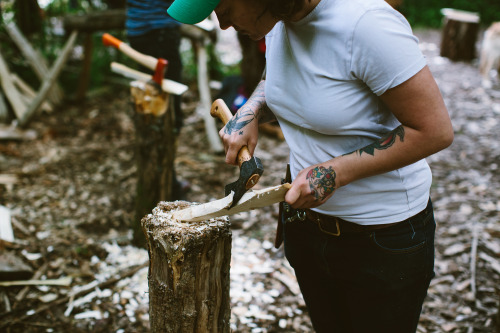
[(104, 20), (459, 35), (251, 200), (188, 272), (156, 144)]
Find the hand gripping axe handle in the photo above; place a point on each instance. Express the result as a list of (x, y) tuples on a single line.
[(157, 65), (250, 166)]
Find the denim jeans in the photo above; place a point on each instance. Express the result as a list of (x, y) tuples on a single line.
[(365, 282)]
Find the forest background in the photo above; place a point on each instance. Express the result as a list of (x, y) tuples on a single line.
[(40, 21)]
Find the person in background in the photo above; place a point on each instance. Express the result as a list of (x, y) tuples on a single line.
[(150, 30), (360, 111)]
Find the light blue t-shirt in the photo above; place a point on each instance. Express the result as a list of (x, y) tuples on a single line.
[(323, 78)]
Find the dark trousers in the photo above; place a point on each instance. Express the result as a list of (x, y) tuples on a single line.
[(365, 282)]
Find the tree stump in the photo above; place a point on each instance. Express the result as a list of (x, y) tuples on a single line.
[(188, 272), (459, 35), (155, 147)]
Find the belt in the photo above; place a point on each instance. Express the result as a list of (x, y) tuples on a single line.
[(328, 224), (335, 226)]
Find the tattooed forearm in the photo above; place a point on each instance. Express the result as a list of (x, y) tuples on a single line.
[(242, 118), (321, 182)]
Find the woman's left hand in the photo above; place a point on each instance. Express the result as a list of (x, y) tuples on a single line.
[(312, 187)]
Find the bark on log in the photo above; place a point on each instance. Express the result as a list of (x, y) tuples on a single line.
[(459, 35), (156, 144), (188, 272)]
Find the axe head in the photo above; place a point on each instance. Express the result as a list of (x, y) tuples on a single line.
[(250, 173)]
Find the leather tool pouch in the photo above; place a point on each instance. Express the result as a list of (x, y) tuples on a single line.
[(281, 215)]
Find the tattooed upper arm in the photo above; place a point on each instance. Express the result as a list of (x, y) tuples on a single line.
[(383, 143)]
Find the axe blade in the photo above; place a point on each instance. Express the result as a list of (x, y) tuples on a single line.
[(250, 173)]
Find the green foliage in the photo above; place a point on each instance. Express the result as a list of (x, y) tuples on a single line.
[(427, 13), (217, 69), (50, 40), (420, 13)]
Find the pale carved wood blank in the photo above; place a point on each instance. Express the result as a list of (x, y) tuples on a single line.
[(251, 200)]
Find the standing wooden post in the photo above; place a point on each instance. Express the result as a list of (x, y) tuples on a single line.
[(188, 272), (199, 40), (4, 111), (460, 29)]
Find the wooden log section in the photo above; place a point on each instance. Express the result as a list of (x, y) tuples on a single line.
[(188, 272), (156, 144), (459, 35)]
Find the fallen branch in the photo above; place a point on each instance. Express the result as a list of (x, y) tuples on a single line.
[(38, 274), (13, 317), (65, 282), (473, 255), (36, 62), (49, 80)]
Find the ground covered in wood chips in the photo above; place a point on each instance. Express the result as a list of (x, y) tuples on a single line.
[(72, 198)]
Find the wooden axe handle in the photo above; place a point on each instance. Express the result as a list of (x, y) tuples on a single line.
[(220, 110), (148, 61), (169, 86)]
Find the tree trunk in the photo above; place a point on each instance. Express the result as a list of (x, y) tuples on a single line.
[(156, 144), (459, 35), (188, 272), (28, 17)]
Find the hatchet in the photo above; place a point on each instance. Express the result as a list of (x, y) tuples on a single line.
[(250, 166), (157, 65)]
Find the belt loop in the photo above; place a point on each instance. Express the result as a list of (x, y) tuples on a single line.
[(336, 234)]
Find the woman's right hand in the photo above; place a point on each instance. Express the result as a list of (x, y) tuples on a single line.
[(241, 130)]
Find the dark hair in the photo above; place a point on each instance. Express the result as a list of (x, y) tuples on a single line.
[(284, 9)]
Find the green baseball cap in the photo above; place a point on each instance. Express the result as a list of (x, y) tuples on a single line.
[(191, 11)]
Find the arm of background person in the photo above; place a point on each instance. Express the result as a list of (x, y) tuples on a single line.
[(425, 129)]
